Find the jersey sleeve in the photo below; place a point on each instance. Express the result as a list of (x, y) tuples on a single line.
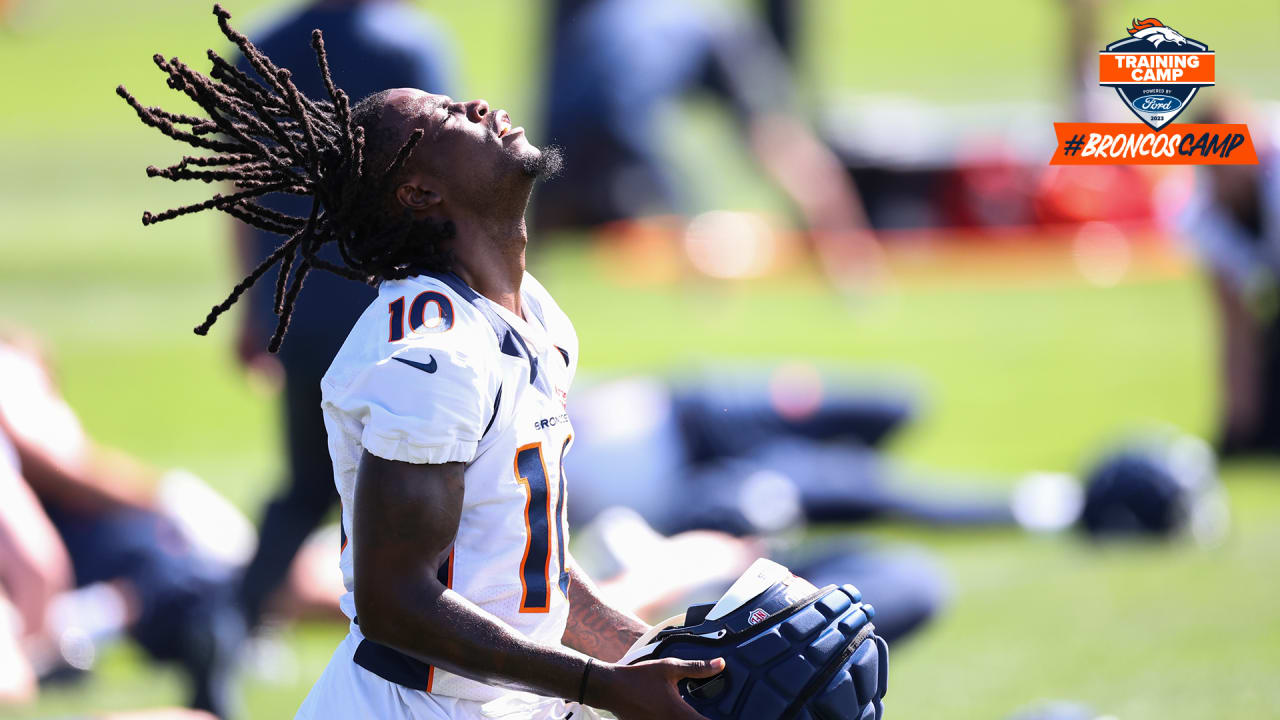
[(420, 404)]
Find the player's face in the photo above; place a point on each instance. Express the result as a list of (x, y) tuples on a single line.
[(474, 151)]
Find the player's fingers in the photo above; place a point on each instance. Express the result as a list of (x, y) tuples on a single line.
[(697, 668), (676, 708)]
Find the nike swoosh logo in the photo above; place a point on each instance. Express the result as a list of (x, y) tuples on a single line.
[(425, 367)]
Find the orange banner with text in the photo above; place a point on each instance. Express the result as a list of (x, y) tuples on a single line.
[(1167, 68), (1136, 144)]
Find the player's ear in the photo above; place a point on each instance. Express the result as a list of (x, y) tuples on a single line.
[(417, 198)]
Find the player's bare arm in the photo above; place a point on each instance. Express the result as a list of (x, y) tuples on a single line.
[(406, 517), (594, 627)]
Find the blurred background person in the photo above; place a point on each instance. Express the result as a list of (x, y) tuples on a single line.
[(94, 545), (655, 576), (372, 45), (616, 65), (34, 572), (754, 454), (137, 566), (678, 494), (34, 568), (1233, 223)]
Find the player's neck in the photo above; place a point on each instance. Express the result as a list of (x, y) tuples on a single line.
[(489, 257)]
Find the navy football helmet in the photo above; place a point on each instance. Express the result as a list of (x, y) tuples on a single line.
[(1160, 485), (791, 651)]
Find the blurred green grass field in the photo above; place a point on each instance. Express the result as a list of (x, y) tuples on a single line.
[(1018, 376)]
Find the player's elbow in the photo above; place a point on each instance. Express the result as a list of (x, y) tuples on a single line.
[(376, 627), (384, 610), (377, 614)]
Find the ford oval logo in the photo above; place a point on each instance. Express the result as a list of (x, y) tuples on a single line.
[(1157, 103)]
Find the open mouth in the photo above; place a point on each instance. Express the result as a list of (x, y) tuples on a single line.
[(504, 124)]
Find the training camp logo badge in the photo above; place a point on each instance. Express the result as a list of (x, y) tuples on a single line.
[(1156, 71)]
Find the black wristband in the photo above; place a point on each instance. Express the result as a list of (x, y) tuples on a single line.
[(582, 688)]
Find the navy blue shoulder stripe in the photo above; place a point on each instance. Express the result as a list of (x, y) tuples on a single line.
[(535, 307), (497, 400)]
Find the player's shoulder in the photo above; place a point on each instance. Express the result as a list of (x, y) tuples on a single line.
[(421, 315)]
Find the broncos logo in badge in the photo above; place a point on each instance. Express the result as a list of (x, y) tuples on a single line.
[(1155, 32)]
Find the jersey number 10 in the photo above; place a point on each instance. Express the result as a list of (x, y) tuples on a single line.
[(419, 320), (541, 525)]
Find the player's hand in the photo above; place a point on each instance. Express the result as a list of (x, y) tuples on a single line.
[(647, 689)]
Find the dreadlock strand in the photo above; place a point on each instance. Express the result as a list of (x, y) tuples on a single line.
[(213, 202), (232, 76), (199, 125), (340, 271), (287, 310), (282, 279), (246, 283), (357, 150), (286, 265), (161, 120), (273, 216), (342, 240), (307, 254), (257, 59), (260, 62), (295, 100), (241, 124), (214, 161), (239, 212), (272, 112), (235, 175), (340, 100), (168, 129), (402, 156), (351, 189)]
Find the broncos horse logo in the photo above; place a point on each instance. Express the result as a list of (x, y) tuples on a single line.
[(1155, 32)]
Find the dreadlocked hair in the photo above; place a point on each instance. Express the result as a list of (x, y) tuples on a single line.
[(264, 136)]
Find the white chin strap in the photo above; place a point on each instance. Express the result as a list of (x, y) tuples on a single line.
[(762, 575), (642, 646)]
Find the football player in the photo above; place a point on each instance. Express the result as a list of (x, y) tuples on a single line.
[(445, 407), (447, 424)]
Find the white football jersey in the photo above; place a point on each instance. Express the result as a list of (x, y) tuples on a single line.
[(433, 372)]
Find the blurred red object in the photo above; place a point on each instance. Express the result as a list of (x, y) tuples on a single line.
[(1111, 193)]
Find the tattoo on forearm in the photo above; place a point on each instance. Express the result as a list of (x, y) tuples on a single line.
[(595, 628)]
